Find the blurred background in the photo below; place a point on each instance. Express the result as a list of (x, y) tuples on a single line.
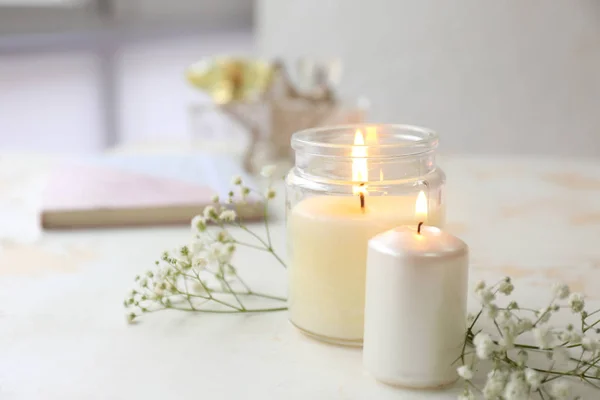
[(492, 77)]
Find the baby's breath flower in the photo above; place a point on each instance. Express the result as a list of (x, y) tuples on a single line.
[(210, 213), (224, 237), (130, 317), (215, 199), (503, 317), (542, 337), (522, 357), (491, 311), (484, 346), (245, 192), (228, 215), (267, 171), (516, 388), (560, 390), (479, 286), (589, 344), (506, 287), (237, 180), (198, 224), (561, 291), (495, 384), (544, 315), (533, 378), (199, 262), (465, 372), (524, 325), (271, 194), (576, 302), (513, 305), (466, 395), (486, 296)]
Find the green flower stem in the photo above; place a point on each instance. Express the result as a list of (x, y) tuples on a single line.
[(266, 245), (462, 353), (248, 310), (591, 326), (230, 290), (541, 394)]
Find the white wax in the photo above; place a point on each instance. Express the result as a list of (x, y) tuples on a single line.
[(416, 297), (328, 238)]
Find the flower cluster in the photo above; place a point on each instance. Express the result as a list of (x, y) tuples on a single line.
[(200, 276), (520, 335)]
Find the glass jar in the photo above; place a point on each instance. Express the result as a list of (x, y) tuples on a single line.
[(348, 184)]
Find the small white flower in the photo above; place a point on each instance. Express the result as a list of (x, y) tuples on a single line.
[(479, 286), (220, 252), (522, 357), (210, 213), (198, 224), (542, 337), (224, 237), (574, 337), (245, 192), (236, 180), (533, 378), (544, 315), (267, 171), (589, 344), (508, 340), (466, 395), (495, 384), (560, 390), (484, 346), (524, 325), (576, 302), (465, 372), (561, 290), (130, 317), (516, 388), (228, 215), (503, 317), (486, 296), (491, 311), (506, 287), (270, 194), (199, 263)]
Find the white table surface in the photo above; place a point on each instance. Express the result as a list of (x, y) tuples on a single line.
[(63, 333)]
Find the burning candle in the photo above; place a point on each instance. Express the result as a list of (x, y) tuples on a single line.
[(416, 297), (328, 236)]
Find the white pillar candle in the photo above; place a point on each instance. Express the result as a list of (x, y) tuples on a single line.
[(415, 306)]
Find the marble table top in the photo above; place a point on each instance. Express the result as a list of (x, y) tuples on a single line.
[(63, 333)]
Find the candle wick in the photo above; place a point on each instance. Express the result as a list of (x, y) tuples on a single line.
[(361, 195), (419, 228)]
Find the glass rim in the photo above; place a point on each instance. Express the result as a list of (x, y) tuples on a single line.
[(407, 140)]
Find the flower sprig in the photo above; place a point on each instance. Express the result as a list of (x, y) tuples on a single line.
[(527, 355), (200, 277)]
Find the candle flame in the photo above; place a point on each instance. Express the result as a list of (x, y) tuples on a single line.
[(421, 207), (359, 164)]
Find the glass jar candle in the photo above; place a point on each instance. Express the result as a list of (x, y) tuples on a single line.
[(348, 184)]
